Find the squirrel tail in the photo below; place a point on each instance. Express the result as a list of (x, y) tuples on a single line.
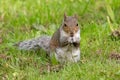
[(34, 44)]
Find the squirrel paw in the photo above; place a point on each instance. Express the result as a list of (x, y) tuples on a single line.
[(73, 39)]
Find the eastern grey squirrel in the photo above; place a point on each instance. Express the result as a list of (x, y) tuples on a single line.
[(64, 43)]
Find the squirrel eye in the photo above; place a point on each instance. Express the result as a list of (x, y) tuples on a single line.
[(76, 24), (65, 25)]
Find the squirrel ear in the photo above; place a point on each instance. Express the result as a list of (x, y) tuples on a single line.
[(76, 16), (65, 16)]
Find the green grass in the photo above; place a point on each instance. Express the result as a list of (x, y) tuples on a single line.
[(25, 19)]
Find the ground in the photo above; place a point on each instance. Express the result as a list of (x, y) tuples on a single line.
[(24, 19)]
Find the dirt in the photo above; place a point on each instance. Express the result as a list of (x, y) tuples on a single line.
[(4, 56), (116, 33), (115, 56), (50, 68)]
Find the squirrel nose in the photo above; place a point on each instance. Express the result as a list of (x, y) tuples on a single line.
[(71, 34)]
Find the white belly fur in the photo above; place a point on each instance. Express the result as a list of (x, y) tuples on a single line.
[(67, 54)]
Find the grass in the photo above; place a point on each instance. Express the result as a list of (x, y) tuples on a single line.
[(25, 19)]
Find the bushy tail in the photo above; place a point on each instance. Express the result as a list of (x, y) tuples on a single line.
[(36, 43)]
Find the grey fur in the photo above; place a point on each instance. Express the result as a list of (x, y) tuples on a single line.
[(36, 43)]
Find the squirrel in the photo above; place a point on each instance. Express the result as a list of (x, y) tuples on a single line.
[(64, 44)]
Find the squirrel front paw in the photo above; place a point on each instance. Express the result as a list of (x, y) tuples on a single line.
[(73, 40), (65, 43)]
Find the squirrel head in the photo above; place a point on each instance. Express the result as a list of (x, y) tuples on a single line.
[(70, 25)]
